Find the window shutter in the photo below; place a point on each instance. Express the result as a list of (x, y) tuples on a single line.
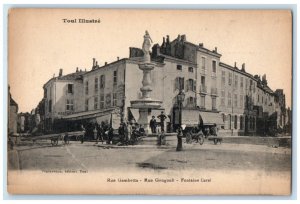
[(176, 84), (194, 85), (187, 85)]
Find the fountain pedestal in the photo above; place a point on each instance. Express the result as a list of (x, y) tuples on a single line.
[(146, 103)]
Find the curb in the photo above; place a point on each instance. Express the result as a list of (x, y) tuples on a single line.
[(136, 147)]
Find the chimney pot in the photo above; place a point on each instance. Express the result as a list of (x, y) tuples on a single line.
[(94, 62), (60, 72)]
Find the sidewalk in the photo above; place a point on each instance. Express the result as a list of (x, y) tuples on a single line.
[(13, 162)]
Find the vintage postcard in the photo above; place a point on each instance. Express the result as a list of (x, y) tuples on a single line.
[(149, 102)]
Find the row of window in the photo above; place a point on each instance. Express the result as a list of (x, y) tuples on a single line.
[(263, 100), (229, 100), (102, 101), (250, 84), (190, 85), (203, 66), (213, 65), (100, 82), (191, 102)]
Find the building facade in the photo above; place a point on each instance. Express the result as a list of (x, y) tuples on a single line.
[(62, 96), (12, 114), (226, 95)]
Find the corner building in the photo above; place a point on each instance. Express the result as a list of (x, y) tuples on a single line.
[(215, 92)]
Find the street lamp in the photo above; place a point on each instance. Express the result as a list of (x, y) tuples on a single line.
[(180, 99)]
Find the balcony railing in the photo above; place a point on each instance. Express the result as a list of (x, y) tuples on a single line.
[(214, 91), (203, 89)]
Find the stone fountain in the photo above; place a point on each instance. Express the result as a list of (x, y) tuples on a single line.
[(146, 103)]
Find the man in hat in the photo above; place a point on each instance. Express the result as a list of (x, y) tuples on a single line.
[(153, 124), (162, 118)]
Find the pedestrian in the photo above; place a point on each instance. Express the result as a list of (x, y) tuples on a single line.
[(99, 133), (179, 139), (66, 138), (126, 132), (121, 133), (153, 124), (83, 133), (129, 126), (161, 138), (162, 118), (95, 133), (110, 134)]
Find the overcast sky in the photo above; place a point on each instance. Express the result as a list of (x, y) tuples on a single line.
[(40, 43)]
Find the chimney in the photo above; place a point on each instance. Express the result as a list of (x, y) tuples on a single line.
[(60, 72), (168, 39), (243, 67), (200, 44), (216, 49), (105, 63), (94, 62), (183, 38), (77, 69), (234, 64), (118, 58), (96, 65)]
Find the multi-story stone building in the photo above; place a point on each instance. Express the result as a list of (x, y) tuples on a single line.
[(214, 91), (12, 114), (63, 96)]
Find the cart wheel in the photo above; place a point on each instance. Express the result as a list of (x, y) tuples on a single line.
[(215, 141), (201, 140)]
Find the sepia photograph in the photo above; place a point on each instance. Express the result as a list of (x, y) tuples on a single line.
[(149, 102)]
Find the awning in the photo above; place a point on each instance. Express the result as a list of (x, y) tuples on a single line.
[(190, 117), (193, 117), (90, 114), (104, 118), (210, 118)]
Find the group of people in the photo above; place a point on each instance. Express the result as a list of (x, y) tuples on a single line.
[(158, 126), (101, 132), (127, 133)]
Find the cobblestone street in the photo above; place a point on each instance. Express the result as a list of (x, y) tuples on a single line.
[(89, 156)]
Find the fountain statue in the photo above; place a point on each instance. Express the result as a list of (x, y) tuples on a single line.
[(146, 104)]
